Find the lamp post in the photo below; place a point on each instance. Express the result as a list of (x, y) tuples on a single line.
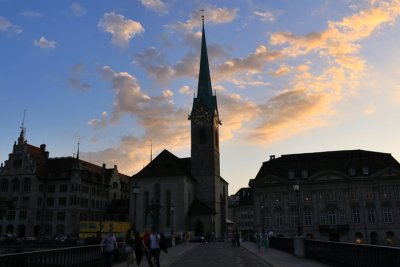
[(135, 191), (171, 209), (262, 207), (296, 189)]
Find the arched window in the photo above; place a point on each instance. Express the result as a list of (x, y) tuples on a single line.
[(48, 229), (4, 185), (15, 185), (60, 229)]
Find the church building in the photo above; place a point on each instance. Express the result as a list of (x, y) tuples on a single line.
[(186, 194)]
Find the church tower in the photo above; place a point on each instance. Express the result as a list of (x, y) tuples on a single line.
[(205, 157)]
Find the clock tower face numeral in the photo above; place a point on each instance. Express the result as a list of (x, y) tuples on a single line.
[(201, 116)]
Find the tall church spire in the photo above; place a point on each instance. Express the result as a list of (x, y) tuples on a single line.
[(204, 89)]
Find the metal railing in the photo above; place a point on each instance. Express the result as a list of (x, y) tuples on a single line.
[(81, 256), (352, 255)]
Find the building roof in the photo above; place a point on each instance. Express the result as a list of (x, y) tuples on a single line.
[(166, 164), (339, 161)]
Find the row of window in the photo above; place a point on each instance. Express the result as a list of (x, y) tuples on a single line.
[(331, 217), (303, 174), (385, 192), (22, 215)]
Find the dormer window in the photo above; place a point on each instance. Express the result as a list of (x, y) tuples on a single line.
[(291, 175), (304, 174), (352, 171), (365, 170)]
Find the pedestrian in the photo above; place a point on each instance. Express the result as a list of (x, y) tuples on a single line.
[(129, 247), (146, 246), (155, 246), (259, 241), (109, 247), (138, 248), (237, 239)]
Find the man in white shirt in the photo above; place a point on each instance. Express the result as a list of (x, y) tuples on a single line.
[(108, 246), (155, 246)]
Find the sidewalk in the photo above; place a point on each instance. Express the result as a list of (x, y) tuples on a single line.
[(277, 258), (166, 259)]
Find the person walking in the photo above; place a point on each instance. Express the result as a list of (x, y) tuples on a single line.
[(138, 248), (147, 247), (109, 246), (129, 247), (155, 246)]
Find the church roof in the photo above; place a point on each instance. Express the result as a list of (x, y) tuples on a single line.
[(166, 164), (339, 161), (199, 207)]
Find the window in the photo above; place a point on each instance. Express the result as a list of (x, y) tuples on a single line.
[(292, 197), (331, 217), (323, 219), (342, 217), (307, 196), (49, 216), (354, 194), (293, 218), (387, 215), (279, 219), (267, 220), (365, 170), (371, 215), (48, 229), (11, 215), (115, 185), (41, 187), (369, 193), (50, 202), (339, 195), (277, 197), (60, 216), (352, 171), (51, 188), (385, 193), (25, 202), (15, 185), (304, 174), (356, 216), (39, 201), (64, 188), (308, 217), (330, 196), (62, 201), (27, 185), (22, 215), (93, 191), (4, 185), (291, 175), (38, 216)]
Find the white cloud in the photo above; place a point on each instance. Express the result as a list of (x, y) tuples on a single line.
[(44, 43), (31, 14), (265, 16), (75, 78), (122, 30), (155, 5), (77, 9), (7, 26)]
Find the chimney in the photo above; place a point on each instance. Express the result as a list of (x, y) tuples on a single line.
[(104, 165), (271, 157), (43, 147)]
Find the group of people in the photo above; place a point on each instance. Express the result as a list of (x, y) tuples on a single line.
[(135, 247)]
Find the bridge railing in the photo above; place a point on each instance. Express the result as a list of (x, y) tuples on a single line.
[(352, 255), (80, 256)]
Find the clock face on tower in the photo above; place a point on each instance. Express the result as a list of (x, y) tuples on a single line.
[(201, 116)]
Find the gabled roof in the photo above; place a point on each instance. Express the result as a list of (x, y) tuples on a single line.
[(40, 158), (166, 164), (339, 161), (199, 207)]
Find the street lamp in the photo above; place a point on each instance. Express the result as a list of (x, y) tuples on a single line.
[(262, 207), (135, 191), (296, 189), (171, 208)]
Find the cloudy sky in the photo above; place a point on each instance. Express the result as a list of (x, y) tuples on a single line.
[(290, 77)]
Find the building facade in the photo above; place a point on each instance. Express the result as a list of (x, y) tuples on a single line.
[(187, 194), (52, 195), (241, 211), (347, 196)]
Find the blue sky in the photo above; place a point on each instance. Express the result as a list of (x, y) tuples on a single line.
[(290, 77)]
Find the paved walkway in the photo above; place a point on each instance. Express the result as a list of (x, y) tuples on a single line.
[(272, 257)]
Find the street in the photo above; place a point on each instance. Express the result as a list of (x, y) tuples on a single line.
[(219, 254)]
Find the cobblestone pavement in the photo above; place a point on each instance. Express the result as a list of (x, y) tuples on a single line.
[(217, 255)]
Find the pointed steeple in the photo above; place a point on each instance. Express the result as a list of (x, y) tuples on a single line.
[(204, 89), (21, 138)]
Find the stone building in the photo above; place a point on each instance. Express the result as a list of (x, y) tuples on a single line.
[(187, 194), (52, 195), (347, 196), (241, 208)]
